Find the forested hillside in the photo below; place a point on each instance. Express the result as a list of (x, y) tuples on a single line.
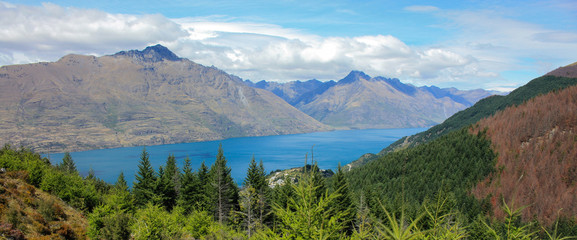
[(485, 108), (537, 160), (521, 157)]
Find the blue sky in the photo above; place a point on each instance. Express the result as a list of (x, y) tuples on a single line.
[(466, 44)]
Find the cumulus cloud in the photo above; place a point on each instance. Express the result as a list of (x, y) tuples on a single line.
[(45, 31), (485, 44)]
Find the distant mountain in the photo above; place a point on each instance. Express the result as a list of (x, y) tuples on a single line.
[(135, 98), (291, 92), (359, 101)]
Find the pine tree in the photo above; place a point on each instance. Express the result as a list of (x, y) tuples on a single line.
[(167, 183), (144, 186), (254, 202), (343, 202), (318, 180), (121, 183), (203, 198), (308, 216), (224, 190), (67, 164), (189, 188)]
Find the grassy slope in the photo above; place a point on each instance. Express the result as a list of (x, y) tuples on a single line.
[(26, 211)]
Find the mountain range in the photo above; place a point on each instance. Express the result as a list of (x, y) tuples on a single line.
[(359, 101), (151, 97), (135, 98)]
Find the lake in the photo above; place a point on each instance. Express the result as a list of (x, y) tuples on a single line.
[(276, 152)]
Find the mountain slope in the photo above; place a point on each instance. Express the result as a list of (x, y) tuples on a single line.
[(359, 101), (135, 98), (27, 212), (485, 108), (536, 144), (523, 155)]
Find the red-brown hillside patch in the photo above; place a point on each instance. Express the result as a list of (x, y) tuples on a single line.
[(536, 144)]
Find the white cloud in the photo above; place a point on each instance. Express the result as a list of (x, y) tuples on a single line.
[(485, 44), (44, 32)]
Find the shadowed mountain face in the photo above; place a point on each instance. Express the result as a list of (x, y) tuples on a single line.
[(135, 98), (359, 101)]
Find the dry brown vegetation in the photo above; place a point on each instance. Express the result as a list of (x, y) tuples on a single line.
[(536, 144), (29, 213)]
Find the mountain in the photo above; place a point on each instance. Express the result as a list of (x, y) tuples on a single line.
[(291, 91), (518, 149), (489, 106), (359, 101), (135, 98)]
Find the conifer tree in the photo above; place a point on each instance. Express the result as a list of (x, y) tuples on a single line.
[(121, 183), (189, 187), (167, 183), (144, 186), (343, 202), (317, 180), (203, 198), (254, 197), (67, 164), (224, 191)]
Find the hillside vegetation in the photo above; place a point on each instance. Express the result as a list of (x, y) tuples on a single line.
[(537, 146), (485, 108), (174, 203)]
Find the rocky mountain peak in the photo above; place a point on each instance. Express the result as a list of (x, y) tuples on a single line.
[(354, 76), (156, 53)]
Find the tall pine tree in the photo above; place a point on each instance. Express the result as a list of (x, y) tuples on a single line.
[(254, 196), (144, 186), (343, 202), (67, 164), (167, 186), (203, 198), (224, 190), (189, 187)]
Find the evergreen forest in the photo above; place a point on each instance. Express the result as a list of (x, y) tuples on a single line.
[(422, 198)]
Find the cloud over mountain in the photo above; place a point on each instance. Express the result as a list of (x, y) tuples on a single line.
[(483, 44)]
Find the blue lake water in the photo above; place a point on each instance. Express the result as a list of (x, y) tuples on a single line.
[(276, 152)]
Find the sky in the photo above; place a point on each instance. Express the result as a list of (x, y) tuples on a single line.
[(468, 44)]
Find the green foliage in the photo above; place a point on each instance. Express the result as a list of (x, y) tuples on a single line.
[(511, 228), (343, 201), (153, 222), (308, 216), (397, 228), (68, 164), (199, 224), (144, 186), (224, 192), (254, 203), (454, 162), (168, 184), (71, 188), (189, 187)]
